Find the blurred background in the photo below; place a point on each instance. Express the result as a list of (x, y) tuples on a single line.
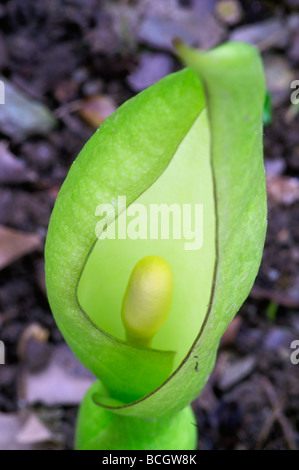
[(66, 65)]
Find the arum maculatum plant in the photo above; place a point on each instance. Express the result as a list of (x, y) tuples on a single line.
[(146, 313)]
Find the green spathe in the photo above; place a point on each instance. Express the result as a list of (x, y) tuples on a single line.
[(209, 116), (186, 180)]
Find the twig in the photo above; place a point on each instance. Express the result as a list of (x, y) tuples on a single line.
[(276, 414)]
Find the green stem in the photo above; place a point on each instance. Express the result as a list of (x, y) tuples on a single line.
[(101, 429)]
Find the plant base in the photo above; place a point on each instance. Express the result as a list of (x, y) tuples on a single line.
[(100, 429)]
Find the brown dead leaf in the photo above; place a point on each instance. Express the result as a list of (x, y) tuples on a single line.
[(33, 348), (95, 109), (283, 190), (15, 244), (229, 336)]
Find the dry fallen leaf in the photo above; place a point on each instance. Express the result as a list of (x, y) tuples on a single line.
[(15, 244), (21, 116), (283, 189), (63, 382), (151, 68), (24, 431), (264, 35), (9, 426), (95, 109), (33, 348), (229, 11), (166, 20), (231, 370), (230, 335), (279, 76), (33, 431)]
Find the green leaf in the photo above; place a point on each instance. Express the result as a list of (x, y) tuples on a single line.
[(194, 137)]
